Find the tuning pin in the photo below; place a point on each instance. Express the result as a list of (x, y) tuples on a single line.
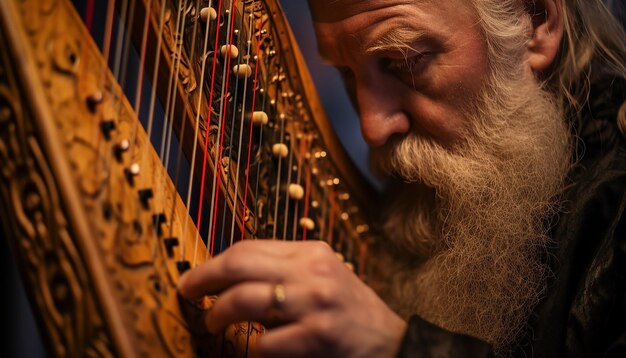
[(242, 70), (349, 266), (131, 172), (307, 223), (340, 256), (229, 50), (144, 196), (280, 150), (93, 100), (121, 148), (296, 191), (259, 118), (107, 126), (170, 243), (183, 266), (362, 229), (158, 220), (208, 12)]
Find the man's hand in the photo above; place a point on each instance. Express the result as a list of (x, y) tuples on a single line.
[(321, 307)]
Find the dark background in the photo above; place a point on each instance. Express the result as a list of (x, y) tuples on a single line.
[(20, 337)]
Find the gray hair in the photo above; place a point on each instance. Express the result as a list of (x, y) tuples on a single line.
[(592, 39)]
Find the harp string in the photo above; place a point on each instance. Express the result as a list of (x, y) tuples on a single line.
[(182, 115), (307, 194), (173, 81), (190, 183), (232, 130), (241, 131), (292, 139), (302, 154), (251, 126), (282, 120), (218, 163), (208, 127)]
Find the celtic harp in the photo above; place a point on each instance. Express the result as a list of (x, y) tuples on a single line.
[(100, 231)]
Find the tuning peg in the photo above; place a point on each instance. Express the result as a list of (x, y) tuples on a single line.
[(183, 266), (121, 148), (170, 244), (93, 100), (107, 126), (131, 172), (158, 220), (144, 196)]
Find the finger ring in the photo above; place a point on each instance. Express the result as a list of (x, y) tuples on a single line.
[(278, 296)]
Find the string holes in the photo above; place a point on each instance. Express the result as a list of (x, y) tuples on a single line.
[(121, 148), (72, 58), (93, 100)]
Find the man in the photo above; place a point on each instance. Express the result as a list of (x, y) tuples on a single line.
[(505, 121)]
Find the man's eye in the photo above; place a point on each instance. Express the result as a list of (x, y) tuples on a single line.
[(410, 65)]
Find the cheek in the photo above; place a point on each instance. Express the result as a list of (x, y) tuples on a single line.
[(436, 118), (440, 109)]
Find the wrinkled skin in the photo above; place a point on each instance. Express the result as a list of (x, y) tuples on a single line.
[(425, 91), (328, 311)]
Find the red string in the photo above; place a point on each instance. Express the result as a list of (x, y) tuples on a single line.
[(219, 155), (331, 219), (256, 72), (91, 4), (208, 120), (307, 192), (144, 41)]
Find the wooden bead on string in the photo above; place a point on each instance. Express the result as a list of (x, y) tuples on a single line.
[(208, 12), (307, 223), (229, 50), (259, 118), (242, 70), (280, 150), (296, 191)]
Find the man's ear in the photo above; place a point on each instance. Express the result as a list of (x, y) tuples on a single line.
[(547, 22)]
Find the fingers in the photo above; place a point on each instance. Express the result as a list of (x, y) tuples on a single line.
[(257, 301), (293, 340), (253, 260)]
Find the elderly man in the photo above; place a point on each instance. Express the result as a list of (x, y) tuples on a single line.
[(504, 121)]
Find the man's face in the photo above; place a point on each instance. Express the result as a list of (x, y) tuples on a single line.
[(410, 66), (481, 144)]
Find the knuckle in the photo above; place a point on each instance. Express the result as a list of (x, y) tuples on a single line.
[(322, 327), (231, 266), (319, 249), (325, 294)]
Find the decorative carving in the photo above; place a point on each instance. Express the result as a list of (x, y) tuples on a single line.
[(38, 226), (103, 281)]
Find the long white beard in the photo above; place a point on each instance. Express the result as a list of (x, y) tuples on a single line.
[(469, 228)]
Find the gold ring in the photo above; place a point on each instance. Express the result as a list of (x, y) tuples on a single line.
[(278, 296)]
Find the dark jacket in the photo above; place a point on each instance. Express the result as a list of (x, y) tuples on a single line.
[(583, 313)]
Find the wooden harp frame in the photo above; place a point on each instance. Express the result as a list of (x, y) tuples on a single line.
[(98, 271)]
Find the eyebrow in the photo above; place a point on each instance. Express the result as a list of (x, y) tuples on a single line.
[(397, 39)]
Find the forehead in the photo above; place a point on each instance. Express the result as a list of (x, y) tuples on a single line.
[(340, 24)]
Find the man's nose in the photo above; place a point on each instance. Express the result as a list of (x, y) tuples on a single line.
[(380, 111)]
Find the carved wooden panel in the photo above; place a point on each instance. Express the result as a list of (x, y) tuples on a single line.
[(96, 225)]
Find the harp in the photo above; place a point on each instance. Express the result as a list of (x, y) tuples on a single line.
[(99, 229)]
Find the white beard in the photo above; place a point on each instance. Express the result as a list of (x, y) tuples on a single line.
[(469, 228)]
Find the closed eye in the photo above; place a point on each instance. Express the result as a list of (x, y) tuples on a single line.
[(409, 69)]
